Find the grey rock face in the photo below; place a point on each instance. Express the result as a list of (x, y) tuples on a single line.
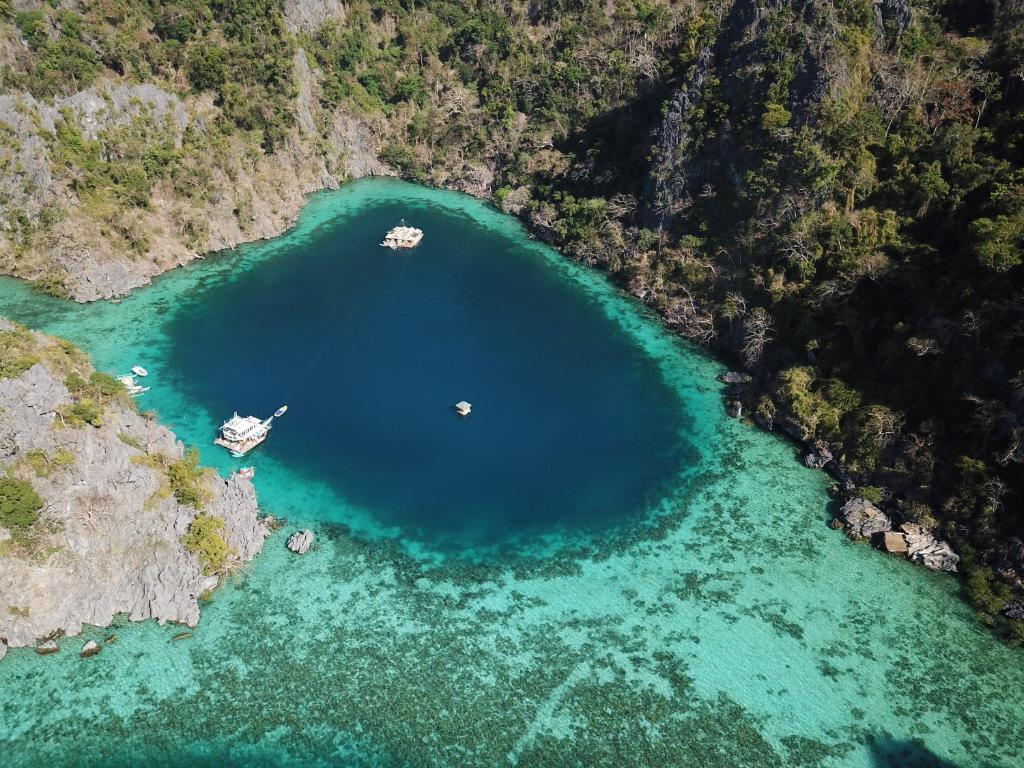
[(114, 532), (3, 649), (669, 179), (1014, 610), (300, 542), (892, 19), (863, 519), (924, 548), (819, 456), (309, 15)]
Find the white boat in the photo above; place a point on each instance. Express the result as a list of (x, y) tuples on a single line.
[(240, 434), (128, 381), (247, 472), (280, 411), (402, 237), (138, 370)]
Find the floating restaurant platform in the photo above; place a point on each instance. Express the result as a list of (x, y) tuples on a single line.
[(402, 237), (241, 434), (463, 408)]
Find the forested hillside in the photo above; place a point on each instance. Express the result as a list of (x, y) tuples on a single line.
[(831, 192)]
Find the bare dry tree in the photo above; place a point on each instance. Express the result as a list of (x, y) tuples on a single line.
[(883, 425), (758, 332)]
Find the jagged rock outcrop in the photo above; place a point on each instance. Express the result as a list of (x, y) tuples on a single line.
[(300, 542), (717, 159), (109, 537), (819, 456), (863, 519), (924, 548)]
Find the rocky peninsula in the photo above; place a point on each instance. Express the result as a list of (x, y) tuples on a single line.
[(102, 511)]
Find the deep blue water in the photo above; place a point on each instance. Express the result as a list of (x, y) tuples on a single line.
[(370, 348)]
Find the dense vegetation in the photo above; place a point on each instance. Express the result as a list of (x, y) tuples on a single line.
[(19, 505), (830, 192), (205, 539)]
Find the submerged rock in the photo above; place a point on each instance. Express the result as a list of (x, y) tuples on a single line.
[(91, 648), (924, 548), (863, 519), (45, 649), (299, 543)]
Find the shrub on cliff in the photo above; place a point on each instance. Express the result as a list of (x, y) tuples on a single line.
[(185, 477), (19, 504), (206, 541), (17, 353)]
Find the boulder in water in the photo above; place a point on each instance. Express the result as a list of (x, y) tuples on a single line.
[(863, 519), (45, 649), (735, 408), (91, 648), (735, 377), (299, 543)]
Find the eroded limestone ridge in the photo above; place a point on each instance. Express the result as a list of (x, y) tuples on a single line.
[(102, 510)]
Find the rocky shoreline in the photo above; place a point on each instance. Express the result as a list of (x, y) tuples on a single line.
[(107, 538)]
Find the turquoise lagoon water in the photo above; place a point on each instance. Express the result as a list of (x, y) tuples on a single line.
[(657, 587)]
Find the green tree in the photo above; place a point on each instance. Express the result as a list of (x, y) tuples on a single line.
[(19, 504)]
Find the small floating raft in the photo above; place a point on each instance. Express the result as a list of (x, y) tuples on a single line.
[(402, 237), (463, 408)]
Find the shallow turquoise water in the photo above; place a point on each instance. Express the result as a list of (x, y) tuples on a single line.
[(726, 625)]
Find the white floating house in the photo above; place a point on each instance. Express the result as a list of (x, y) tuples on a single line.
[(463, 408), (402, 237), (241, 434)]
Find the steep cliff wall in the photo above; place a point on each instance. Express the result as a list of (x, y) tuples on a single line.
[(96, 528)]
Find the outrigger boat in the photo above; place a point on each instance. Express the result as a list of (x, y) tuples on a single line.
[(129, 384), (241, 434), (247, 472), (402, 237)]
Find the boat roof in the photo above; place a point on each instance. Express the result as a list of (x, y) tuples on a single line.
[(241, 421), (463, 404)]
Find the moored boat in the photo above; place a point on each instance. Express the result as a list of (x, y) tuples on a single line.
[(240, 434), (138, 370), (402, 236), (128, 381)]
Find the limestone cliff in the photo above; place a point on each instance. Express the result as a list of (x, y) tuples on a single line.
[(108, 537)]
